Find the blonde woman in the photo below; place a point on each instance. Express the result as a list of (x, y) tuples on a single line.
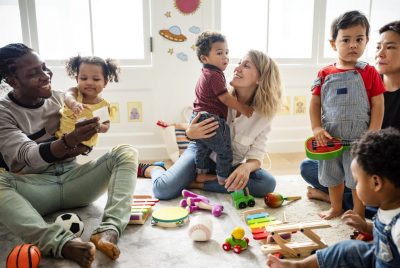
[(256, 82)]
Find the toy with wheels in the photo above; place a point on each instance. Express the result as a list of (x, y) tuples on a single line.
[(24, 256), (237, 241), (242, 199)]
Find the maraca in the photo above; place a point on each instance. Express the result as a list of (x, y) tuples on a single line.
[(274, 200)]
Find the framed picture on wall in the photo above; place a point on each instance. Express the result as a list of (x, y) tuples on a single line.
[(135, 111)]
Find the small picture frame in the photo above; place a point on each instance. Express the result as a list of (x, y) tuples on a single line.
[(135, 111)]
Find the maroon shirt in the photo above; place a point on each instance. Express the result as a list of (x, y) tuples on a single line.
[(210, 85)]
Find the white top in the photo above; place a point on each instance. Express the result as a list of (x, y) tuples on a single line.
[(386, 216), (249, 136)]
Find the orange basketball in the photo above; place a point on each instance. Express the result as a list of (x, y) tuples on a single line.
[(24, 256)]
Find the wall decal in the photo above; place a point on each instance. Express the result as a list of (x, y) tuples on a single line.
[(187, 7), (167, 14), (182, 56), (135, 111), (194, 29), (193, 47), (173, 34), (171, 51), (114, 112), (285, 108), (299, 105)]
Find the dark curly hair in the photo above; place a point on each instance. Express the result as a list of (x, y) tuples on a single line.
[(378, 153), (392, 26), (347, 20), (204, 42), (8, 55), (109, 66)]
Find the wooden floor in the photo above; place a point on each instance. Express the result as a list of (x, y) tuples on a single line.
[(284, 164)]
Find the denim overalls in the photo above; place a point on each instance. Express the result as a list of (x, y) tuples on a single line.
[(346, 115), (386, 252)]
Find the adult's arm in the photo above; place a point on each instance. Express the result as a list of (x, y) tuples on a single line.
[(240, 176), (377, 110), (202, 130)]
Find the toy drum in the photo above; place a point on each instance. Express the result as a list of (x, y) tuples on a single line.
[(170, 217)]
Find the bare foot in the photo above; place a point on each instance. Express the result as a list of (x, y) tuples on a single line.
[(274, 262), (313, 193), (330, 214), (205, 177), (106, 242), (80, 252)]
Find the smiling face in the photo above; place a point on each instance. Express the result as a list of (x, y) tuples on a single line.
[(245, 75), (350, 44), (32, 79), (387, 57), (218, 55), (90, 80)]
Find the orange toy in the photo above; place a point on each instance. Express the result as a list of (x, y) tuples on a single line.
[(274, 200), (24, 256)]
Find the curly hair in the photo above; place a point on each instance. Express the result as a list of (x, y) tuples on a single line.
[(347, 20), (378, 153), (204, 42), (109, 66), (8, 55)]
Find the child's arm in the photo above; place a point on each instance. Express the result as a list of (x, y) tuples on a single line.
[(70, 101), (377, 110), (354, 220), (320, 134), (231, 102)]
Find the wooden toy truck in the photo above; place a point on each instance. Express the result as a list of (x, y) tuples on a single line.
[(295, 249)]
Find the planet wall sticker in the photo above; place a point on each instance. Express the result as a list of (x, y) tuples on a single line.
[(174, 33), (187, 7)]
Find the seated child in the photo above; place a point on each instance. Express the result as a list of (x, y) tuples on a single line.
[(213, 100), (347, 100), (376, 169), (92, 75)]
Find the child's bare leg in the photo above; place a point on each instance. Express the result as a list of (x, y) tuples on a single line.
[(106, 242), (309, 262), (336, 197), (359, 207), (205, 177), (147, 172), (80, 252), (314, 193)]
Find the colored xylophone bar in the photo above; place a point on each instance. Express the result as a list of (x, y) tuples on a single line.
[(141, 208)]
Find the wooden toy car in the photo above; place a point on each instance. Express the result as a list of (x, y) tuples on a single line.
[(237, 241), (242, 199)]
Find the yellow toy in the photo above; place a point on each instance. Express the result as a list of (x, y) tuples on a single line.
[(237, 241)]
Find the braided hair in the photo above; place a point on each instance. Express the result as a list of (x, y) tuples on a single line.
[(8, 55)]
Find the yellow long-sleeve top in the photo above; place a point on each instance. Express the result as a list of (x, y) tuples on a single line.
[(68, 119)]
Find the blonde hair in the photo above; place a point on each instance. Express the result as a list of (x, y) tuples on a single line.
[(267, 97)]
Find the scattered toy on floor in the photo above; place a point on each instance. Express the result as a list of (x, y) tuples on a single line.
[(194, 202), (170, 217), (142, 207), (25, 255), (71, 222), (242, 199), (237, 241), (275, 200), (200, 228)]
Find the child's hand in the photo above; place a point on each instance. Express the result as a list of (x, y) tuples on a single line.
[(354, 220), (77, 108), (321, 136), (103, 128), (247, 111)]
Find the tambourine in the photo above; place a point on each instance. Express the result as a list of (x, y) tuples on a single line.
[(170, 217)]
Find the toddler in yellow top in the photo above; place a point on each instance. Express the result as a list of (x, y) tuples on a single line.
[(92, 75)]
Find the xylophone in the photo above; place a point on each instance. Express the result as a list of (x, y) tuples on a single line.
[(142, 206)]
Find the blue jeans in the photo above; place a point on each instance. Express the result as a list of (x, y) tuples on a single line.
[(220, 143), (347, 254), (309, 172), (170, 183)]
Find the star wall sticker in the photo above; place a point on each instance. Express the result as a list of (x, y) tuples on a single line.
[(193, 47), (168, 14), (171, 51)]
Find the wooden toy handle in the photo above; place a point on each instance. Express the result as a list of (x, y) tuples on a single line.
[(292, 198), (204, 205)]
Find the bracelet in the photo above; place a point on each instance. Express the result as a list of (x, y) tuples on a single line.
[(188, 137), (66, 146)]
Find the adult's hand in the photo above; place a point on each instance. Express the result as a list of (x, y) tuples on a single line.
[(238, 178), (84, 130), (202, 130)]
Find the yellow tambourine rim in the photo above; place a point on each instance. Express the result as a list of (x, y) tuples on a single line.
[(170, 214)]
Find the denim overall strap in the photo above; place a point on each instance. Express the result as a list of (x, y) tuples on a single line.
[(345, 105), (386, 251)]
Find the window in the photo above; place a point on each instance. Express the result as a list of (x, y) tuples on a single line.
[(9, 15), (60, 29), (295, 31)]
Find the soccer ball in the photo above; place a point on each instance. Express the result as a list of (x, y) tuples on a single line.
[(71, 222)]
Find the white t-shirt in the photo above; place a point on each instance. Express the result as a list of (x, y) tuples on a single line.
[(386, 216)]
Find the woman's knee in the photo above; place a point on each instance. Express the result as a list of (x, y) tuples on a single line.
[(125, 153)]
